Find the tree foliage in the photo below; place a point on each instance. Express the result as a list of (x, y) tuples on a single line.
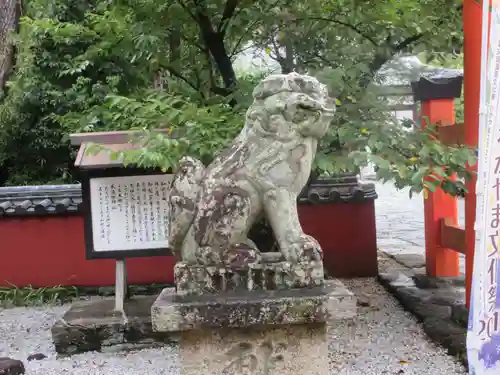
[(98, 65), (64, 63)]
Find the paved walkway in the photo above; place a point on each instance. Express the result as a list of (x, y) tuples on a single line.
[(400, 220)]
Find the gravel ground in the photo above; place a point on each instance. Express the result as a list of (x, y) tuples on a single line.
[(386, 340)]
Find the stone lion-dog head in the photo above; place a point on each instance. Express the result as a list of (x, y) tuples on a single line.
[(287, 105)]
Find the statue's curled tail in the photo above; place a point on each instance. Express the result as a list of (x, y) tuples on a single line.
[(182, 201)]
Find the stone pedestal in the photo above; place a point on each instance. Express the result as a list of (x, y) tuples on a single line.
[(287, 350), (282, 331), (240, 311)]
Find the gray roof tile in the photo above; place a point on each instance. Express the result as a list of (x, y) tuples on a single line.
[(67, 199), (40, 200)]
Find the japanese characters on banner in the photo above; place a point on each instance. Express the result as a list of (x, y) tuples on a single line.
[(129, 213), (483, 337)]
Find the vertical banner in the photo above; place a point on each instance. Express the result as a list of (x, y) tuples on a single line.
[(483, 336)]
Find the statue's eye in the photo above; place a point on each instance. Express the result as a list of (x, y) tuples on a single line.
[(304, 107), (300, 116)]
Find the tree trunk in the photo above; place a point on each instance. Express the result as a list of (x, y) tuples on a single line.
[(289, 61), (175, 48), (215, 44), (10, 12)]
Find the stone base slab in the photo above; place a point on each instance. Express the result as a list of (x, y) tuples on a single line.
[(284, 350), (94, 325), (277, 275), (171, 312)]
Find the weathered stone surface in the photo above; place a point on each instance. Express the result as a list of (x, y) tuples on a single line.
[(409, 296), (425, 310), (9, 366), (200, 279), (419, 270), (94, 325), (262, 172), (449, 296), (447, 333), (239, 310), (410, 260), (429, 282), (417, 301), (36, 357), (395, 280), (283, 350), (460, 315)]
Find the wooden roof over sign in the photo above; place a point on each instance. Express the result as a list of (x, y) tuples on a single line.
[(110, 141)]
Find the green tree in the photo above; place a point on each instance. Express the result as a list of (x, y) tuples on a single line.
[(64, 63), (93, 65), (361, 36)]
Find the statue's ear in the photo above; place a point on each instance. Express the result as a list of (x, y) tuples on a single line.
[(185, 162), (259, 118), (188, 165)]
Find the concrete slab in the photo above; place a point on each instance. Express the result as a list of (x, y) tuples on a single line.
[(332, 301), (94, 326)]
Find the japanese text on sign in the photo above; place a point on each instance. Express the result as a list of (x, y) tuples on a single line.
[(129, 213)]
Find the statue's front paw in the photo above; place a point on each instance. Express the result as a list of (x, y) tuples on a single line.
[(208, 256), (240, 255), (306, 248)]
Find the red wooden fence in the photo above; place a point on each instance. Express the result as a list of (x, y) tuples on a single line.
[(444, 238)]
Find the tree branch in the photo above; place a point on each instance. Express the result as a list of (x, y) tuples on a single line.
[(227, 14), (242, 37), (176, 74), (193, 42), (415, 38), (186, 8), (204, 22), (406, 43), (348, 25)]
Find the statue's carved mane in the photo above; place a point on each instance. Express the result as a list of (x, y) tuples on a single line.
[(278, 93)]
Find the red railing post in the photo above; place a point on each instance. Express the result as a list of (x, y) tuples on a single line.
[(437, 96)]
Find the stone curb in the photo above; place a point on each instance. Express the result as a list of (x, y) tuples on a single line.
[(9, 366), (438, 303), (93, 325)]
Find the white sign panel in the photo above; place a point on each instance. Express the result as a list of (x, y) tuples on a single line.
[(129, 213)]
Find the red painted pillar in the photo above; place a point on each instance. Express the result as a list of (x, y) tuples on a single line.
[(472, 19), (437, 96)]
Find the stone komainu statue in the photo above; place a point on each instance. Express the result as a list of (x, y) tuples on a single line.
[(263, 171)]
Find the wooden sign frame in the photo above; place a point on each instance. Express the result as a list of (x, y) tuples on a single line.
[(91, 253)]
